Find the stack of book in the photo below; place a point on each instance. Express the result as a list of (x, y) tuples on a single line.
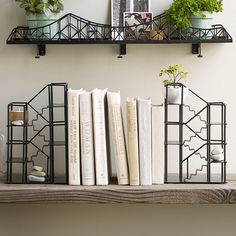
[(97, 138)]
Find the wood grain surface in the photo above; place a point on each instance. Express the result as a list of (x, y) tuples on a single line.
[(162, 194)]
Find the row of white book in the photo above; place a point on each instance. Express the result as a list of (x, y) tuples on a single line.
[(97, 137)]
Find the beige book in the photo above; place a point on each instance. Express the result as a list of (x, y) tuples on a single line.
[(100, 146), (157, 144), (117, 138), (144, 126), (73, 137), (132, 132), (86, 134)]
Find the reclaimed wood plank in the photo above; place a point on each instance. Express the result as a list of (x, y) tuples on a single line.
[(158, 194)]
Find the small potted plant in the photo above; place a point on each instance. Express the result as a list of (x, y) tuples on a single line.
[(41, 12), (194, 13), (173, 84)]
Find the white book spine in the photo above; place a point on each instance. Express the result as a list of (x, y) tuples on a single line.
[(86, 134), (144, 124), (132, 130), (117, 137), (73, 139), (157, 145), (100, 148)]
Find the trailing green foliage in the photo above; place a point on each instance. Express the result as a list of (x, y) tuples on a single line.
[(181, 11), (175, 74), (41, 6)]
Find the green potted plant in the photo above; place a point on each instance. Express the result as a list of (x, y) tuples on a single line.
[(194, 13), (175, 74), (41, 12)]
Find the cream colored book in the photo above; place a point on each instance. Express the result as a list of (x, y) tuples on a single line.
[(100, 146), (132, 132), (73, 136), (157, 144), (86, 137), (144, 126), (117, 138)]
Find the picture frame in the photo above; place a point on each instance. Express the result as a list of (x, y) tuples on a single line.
[(140, 5), (137, 25), (118, 7)]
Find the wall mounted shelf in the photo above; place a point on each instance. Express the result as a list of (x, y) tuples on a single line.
[(72, 29), (156, 194)]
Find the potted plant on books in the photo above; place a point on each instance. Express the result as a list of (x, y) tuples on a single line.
[(194, 13), (42, 12), (172, 85)]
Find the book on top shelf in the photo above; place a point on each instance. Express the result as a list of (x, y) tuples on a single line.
[(117, 137), (144, 125), (100, 139), (86, 135), (132, 133), (73, 136)]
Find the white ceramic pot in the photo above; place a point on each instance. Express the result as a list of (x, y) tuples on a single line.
[(202, 23), (40, 20), (175, 93)]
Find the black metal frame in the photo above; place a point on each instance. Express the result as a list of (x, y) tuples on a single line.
[(208, 141), (72, 29), (48, 142)]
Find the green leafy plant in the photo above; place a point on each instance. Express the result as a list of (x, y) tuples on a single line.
[(181, 11), (55, 6), (175, 74), (41, 6)]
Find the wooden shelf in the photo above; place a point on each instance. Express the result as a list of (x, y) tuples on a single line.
[(162, 194)]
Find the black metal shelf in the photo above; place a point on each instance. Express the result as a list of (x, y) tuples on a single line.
[(218, 162), (217, 123), (173, 123), (178, 123), (72, 29)]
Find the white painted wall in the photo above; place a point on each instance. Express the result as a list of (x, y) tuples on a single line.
[(117, 220), (90, 66)]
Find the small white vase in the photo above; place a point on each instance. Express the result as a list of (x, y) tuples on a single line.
[(175, 94), (202, 23), (32, 21), (41, 20)]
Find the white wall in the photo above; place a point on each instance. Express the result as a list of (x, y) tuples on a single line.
[(90, 66), (121, 220)]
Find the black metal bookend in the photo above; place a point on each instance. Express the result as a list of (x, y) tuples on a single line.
[(33, 136), (198, 148)]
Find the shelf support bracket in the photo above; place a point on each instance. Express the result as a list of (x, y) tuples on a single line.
[(122, 50), (196, 49), (41, 50)]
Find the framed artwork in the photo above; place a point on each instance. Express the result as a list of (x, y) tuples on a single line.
[(141, 5), (138, 24), (118, 7)]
